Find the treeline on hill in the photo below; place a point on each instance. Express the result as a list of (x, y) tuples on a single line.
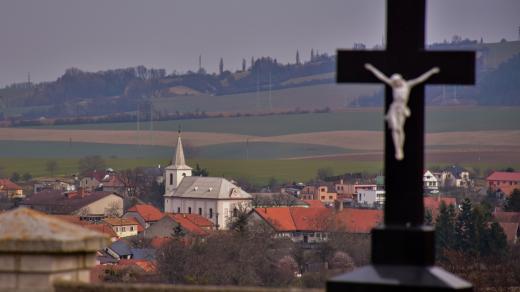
[(80, 93)]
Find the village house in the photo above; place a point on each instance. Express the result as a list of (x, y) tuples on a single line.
[(214, 198), (510, 223), (370, 198), (313, 225), (53, 184), (108, 181), (186, 224), (433, 204), (454, 176), (9, 189), (89, 205), (431, 184), (504, 182), (320, 192), (145, 214), (123, 227), (99, 226)]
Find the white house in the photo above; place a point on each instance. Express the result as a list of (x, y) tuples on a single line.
[(215, 198), (430, 182), (371, 198)]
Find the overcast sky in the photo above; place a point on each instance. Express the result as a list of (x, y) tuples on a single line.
[(44, 37)]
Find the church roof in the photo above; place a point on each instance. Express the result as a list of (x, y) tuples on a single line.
[(210, 188), (179, 162)]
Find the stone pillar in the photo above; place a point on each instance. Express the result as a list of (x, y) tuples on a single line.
[(36, 250)]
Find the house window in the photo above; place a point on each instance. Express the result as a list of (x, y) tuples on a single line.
[(131, 228), (171, 178), (210, 213), (123, 229), (235, 212), (117, 229), (178, 209), (330, 197), (200, 211), (322, 189), (323, 197), (189, 210)]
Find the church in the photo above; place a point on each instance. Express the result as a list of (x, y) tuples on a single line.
[(214, 198)]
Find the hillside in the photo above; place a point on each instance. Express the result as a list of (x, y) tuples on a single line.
[(266, 86)]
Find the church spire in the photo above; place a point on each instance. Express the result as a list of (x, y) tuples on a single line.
[(179, 159)]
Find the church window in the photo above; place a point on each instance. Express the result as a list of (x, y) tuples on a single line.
[(200, 211), (189, 210), (210, 213), (178, 209), (171, 178), (183, 174)]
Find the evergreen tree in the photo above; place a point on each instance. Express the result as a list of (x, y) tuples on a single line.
[(445, 227), (297, 57), (252, 62), (312, 55), (221, 66), (198, 171), (243, 65), (465, 233), (494, 241), (513, 202)]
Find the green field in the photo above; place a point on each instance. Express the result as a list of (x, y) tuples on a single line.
[(437, 120), (251, 150)]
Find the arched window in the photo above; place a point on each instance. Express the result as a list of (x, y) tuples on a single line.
[(183, 174), (210, 213), (171, 178), (189, 210)]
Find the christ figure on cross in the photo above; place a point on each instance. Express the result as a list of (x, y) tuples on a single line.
[(398, 110)]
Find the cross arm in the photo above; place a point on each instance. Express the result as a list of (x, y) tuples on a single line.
[(455, 67)]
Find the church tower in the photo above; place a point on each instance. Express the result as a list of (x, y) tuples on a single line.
[(174, 173)]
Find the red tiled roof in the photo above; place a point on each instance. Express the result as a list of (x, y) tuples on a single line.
[(121, 221), (147, 266), (501, 216), (359, 220), (288, 219), (199, 220), (147, 212), (507, 189), (7, 184), (502, 175), (511, 230), (314, 203), (99, 227), (187, 224), (434, 203)]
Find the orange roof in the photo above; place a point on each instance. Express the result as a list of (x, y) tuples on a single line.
[(314, 203), (288, 219), (7, 184), (199, 220), (434, 203), (511, 230), (508, 189), (502, 175), (359, 220), (279, 218), (147, 212), (187, 224), (121, 221), (147, 266), (99, 227)]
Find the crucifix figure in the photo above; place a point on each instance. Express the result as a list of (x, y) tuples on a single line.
[(403, 248), (399, 111)]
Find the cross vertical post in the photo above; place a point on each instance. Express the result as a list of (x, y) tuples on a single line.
[(403, 247)]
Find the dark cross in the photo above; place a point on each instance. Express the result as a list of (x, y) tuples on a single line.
[(405, 54), (403, 240)]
